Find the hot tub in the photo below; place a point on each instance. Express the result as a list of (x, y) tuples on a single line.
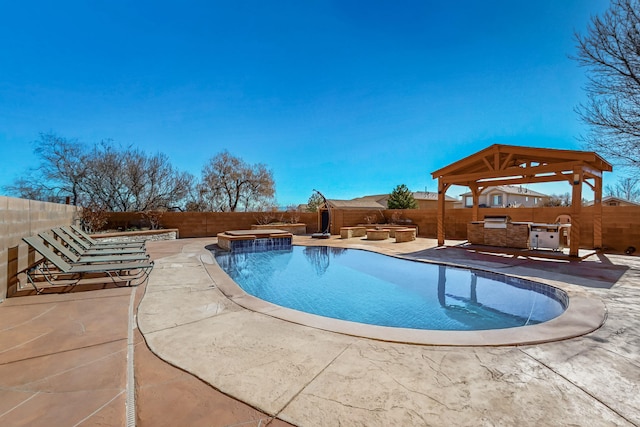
[(254, 240)]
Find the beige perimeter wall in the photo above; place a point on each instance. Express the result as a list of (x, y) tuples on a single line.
[(204, 224), (620, 224), (19, 218)]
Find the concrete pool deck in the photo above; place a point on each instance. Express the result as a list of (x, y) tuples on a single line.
[(308, 376), (63, 358)]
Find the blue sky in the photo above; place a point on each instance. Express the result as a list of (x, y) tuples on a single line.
[(348, 97)]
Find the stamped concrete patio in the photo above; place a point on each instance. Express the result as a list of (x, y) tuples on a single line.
[(308, 376), (63, 358)]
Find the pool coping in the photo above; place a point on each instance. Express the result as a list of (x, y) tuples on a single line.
[(582, 316)]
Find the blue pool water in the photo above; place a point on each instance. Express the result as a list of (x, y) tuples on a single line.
[(367, 287)]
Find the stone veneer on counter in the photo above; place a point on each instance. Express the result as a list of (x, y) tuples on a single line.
[(515, 235)]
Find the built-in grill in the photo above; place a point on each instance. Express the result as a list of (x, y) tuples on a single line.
[(499, 230), (497, 221)]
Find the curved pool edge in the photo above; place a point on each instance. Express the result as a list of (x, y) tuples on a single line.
[(582, 316)]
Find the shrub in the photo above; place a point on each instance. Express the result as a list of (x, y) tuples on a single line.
[(93, 218)]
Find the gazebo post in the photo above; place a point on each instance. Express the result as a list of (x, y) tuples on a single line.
[(475, 194), (597, 213), (442, 189), (576, 208)]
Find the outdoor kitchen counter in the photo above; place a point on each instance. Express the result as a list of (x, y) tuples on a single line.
[(507, 234)]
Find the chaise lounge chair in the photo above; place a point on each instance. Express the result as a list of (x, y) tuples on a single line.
[(96, 243), (55, 271), (81, 248), (74, 258)]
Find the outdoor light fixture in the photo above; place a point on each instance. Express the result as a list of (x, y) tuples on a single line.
[(576, 178)]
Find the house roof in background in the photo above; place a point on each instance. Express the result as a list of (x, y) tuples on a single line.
[(609, 199), (359, 203), (510, 189), (379, 201), (430, 195)]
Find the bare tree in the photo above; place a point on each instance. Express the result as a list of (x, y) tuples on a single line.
[(196, 200), (152, 184), (30, 187), (626, 188), (103, 183), (63, 164), (128, 180), (610, 51), (104, 177), (229, 184), (558, 200), (60, 172)]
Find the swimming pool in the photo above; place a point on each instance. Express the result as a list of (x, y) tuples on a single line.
[(375, 289)]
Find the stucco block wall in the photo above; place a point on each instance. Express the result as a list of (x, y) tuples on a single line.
[(425, 219), (620, 224), (19, 218), (204, 224), (621, 227)]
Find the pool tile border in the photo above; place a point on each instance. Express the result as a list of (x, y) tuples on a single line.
[(582, 316)]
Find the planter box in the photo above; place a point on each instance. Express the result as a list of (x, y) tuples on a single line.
[(373, 234), (297, 229), (391, 227), (405, 235), (349, 232), (137, 236)]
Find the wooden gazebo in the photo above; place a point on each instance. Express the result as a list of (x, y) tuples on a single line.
[(513, 165)]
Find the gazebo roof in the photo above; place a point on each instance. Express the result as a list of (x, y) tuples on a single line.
[(509, 164)]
